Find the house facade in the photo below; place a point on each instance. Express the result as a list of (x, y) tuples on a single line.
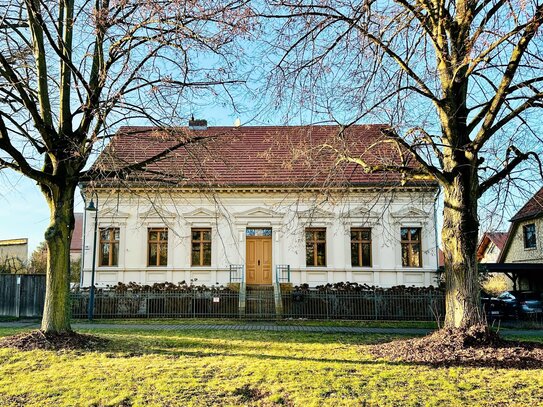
[(490, 246), (13, 255), (77, 238), (522, 255), (525, 243), (259, 204)]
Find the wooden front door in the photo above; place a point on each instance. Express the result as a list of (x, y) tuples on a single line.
[(259, 260)]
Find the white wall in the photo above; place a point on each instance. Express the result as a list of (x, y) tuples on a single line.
[(229, 214), (491, 254)]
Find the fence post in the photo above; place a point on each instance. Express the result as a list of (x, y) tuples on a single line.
[(375, 304), (18, 297), (327, 302), (431, 306)]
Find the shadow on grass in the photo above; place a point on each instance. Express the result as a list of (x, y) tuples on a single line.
[(525, 363), (256, 345), (519, 355)]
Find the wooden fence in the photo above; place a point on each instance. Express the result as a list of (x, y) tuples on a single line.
[(22, 295)]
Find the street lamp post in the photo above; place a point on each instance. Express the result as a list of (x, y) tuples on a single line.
[(93, 208)]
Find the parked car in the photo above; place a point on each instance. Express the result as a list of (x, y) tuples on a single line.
[(521, 303), (492, 307)]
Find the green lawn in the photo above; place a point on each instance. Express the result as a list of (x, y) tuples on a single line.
[(248, 368), (283, 322)]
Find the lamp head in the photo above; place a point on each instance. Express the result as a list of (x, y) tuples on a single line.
[(91, 207)]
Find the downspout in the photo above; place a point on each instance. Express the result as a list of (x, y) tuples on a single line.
[(81, 266), (436, 231)]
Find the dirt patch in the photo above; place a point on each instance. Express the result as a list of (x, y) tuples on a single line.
[(474, 347), (247, 393), (48, 341)]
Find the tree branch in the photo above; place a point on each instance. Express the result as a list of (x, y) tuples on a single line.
[(520, 157)]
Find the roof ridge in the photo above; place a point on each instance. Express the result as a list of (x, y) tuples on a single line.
[(533, 207), (279, 126)]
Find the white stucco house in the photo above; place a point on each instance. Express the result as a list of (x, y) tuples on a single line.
[(211, 205)]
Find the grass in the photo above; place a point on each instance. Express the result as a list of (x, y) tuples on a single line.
[(282, 322), (205, 367)]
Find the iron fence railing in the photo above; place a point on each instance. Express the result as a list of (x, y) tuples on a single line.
[(364, 305), (282, 273), (182, 304), (261, 304), (236, 273)]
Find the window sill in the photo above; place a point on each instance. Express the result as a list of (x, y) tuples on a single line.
[(530, 249)]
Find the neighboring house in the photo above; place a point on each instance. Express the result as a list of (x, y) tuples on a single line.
[(77, 238), (253, 202), (522, 255), (490, 246), (13, 254)]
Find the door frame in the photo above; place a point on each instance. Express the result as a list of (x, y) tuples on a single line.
[(270, 238)]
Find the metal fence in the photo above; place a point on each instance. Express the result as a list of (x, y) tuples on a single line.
[(364, 305), (174, 304), (260, 304), (236, 273), (22, 295), (282, 273)]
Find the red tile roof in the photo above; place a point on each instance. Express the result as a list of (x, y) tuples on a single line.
[(254, 156), (532, 208), (498, 238)]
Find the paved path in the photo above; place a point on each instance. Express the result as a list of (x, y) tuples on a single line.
[(258, 327)]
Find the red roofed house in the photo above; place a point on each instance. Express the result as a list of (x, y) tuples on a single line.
[(220, 204), (77, 238), (490, 246)]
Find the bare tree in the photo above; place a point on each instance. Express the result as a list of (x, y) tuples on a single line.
[(460, 82), (72, 70)]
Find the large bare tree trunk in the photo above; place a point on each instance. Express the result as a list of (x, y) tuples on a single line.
[(58, 236), (459, 235)]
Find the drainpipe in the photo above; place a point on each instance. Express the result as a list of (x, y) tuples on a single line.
[(82, 265), (435, 228)]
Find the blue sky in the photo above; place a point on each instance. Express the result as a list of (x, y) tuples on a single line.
[(23, 210)]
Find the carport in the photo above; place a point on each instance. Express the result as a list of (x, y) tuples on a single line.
[(525, 276)]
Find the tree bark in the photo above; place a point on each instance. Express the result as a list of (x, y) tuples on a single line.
[(459, 236), (58, 236)]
